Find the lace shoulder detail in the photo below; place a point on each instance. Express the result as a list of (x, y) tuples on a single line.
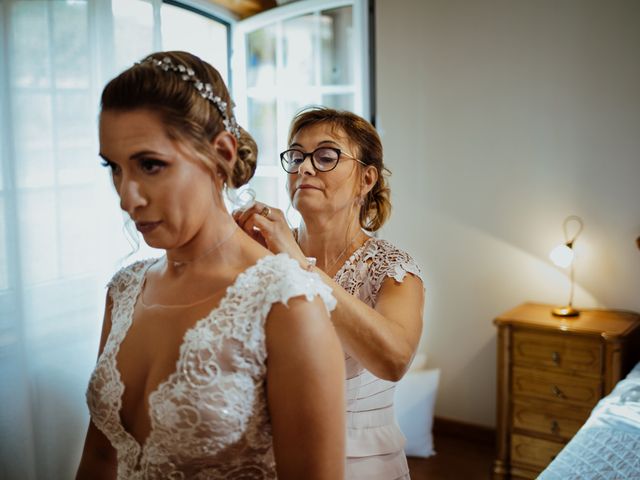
[(390, 261), (368, 267), (290, 280), (126, 276)]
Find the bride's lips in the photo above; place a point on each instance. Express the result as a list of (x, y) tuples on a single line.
[(146, 227)]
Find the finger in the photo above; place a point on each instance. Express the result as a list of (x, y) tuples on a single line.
[(266, 228), (244, 215), (254, 231)]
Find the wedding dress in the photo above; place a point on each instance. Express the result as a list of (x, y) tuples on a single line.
[(209, 418)]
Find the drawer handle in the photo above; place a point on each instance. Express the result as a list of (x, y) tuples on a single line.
[(555, 357), (555, 428), (557, 392)]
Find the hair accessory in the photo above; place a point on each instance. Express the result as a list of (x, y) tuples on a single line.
[(205, 90)]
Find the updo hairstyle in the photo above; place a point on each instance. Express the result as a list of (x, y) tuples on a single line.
[(376, 205), (188, 117)]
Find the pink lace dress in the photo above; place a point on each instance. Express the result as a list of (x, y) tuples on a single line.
[(209, 418), (374, 440)]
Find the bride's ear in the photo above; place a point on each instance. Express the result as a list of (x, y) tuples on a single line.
[(225, 146)]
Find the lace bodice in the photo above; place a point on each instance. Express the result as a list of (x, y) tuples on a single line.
[(209, 418), (374, 440)]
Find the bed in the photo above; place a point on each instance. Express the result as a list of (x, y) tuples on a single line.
[(607, 446)]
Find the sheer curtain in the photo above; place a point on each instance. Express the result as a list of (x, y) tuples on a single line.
[(61, 231)]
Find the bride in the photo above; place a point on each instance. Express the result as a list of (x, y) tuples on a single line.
[(217, 360)]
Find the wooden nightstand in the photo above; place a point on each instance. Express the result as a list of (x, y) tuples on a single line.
[(551, 373)]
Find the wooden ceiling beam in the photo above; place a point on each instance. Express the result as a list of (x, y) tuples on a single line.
[(245, 8)]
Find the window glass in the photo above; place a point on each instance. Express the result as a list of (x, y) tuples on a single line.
[(76, 125), (299, 57), (77, 253), (336, 37), (294, 59), (206, 38), (340, 101), (29, 44), (261, 57), (70, 38), (38, 236), (4, 268), (33, 140), (133, 31), (261, 115)]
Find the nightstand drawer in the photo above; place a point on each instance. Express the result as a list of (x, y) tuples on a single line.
[(556, 387), (552, 418), (533, 451), (563, 352)]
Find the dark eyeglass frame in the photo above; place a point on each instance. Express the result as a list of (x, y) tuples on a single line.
[(340, 153)]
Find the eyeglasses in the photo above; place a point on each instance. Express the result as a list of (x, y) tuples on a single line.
[(323, 159)]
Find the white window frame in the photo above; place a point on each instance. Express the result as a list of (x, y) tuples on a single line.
[(361, 88)]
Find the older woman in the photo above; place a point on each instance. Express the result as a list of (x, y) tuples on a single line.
[(335, 180)]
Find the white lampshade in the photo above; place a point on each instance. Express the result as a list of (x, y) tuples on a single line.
[(562, 256)]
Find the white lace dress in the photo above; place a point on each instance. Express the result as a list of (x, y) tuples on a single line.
[(374, 440), (209, 418)]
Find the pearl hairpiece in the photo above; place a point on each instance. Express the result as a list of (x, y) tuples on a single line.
[(205, 90)]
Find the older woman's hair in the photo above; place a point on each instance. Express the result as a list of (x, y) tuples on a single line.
[(376, 207), (172, 84)]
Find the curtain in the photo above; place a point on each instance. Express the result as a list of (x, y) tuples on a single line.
[(61, 229)]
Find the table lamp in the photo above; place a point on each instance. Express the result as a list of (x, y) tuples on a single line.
[(563, 256)]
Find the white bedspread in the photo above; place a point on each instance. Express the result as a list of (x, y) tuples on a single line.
[(607, 447)]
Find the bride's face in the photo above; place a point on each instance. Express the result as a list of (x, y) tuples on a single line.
[(167, 192)]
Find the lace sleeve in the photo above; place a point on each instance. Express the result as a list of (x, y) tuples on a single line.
[(294, 281), (386, 260)]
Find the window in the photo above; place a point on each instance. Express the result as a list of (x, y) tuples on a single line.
[(60, 225), (305, 53), (208, 36)]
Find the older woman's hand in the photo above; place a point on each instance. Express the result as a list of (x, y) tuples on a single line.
[(268, 226)]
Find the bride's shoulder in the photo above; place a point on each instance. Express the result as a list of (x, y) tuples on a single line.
[(131, 273), (283, 278)]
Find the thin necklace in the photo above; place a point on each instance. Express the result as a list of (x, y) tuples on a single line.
[(179, 305), (328, 268), (343, 251), (180, 264), (208, 251)]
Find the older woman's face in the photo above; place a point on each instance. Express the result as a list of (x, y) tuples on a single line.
[(327, 193), (166, 192)]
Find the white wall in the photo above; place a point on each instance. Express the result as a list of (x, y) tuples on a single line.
[(500, 118)]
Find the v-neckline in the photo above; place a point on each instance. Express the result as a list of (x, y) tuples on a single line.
[(141, 446)]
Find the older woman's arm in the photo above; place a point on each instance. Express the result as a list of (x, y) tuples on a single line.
[(383, 339)]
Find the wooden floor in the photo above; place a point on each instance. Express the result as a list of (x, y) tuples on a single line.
[(456, 458)]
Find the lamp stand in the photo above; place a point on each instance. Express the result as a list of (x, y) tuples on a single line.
[(568, 310)]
